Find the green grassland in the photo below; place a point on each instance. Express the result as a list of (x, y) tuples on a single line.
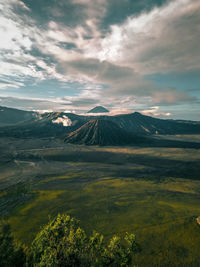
[(153, 192)]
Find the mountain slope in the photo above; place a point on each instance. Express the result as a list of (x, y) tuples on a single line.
[(98, 109), (19, 123), (54, 124), (99, 132), (12, 116), (141, 124)]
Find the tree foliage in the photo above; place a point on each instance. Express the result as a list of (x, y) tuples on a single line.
[(11, 253), (63, 243)]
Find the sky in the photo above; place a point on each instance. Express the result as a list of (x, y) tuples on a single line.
[(72, 55)]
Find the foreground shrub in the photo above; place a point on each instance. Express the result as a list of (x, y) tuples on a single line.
[(11, 253), (63, 243)]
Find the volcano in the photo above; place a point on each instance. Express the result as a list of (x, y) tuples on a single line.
[(99, 132), (98, 109)]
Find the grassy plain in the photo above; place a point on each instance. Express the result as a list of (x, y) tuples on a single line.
[(153, 192)]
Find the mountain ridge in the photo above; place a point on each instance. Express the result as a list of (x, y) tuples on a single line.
[(11, 116), (61, 123)]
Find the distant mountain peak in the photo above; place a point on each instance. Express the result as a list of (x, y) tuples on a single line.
[(98, 109)]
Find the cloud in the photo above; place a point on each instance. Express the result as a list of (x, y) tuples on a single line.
[(124, 83), (70, 105), (22, 4), (80, 101), (172, 96), (41, 42), (19, 36), (162, 40), (6, 82), (95, 9), (14, 46), (58, 104), (64, 120), (123, 80), (155, 112), (28, 103)]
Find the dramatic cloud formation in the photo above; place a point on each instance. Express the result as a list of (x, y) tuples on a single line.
[(74, 54), (163, 40)]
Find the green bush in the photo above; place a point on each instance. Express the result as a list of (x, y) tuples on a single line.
[(11, 253), (63, 243)]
